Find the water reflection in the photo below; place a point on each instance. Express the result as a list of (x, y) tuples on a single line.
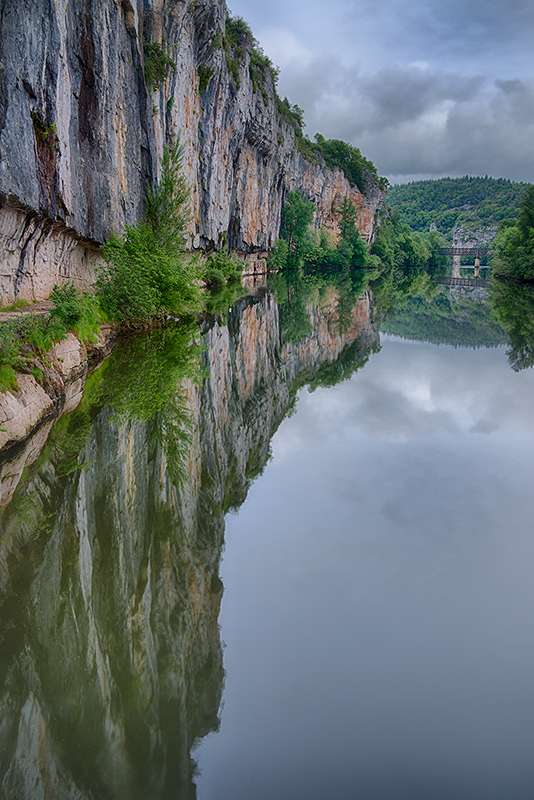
[(110, 662), (111, 665), (457, 316), (379, 586), (416, 304), (513, 306)]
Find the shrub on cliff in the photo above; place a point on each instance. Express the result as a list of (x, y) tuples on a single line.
[(218, 270), (74, 311), (157, 64), (147, 272)]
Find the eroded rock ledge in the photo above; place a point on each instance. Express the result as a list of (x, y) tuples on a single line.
[(64, 373)]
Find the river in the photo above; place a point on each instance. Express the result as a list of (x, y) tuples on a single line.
[(289, 555)]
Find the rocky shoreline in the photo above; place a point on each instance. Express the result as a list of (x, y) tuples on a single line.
[(25, 412)]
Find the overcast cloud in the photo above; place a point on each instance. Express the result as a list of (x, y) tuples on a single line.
[(423, 88)]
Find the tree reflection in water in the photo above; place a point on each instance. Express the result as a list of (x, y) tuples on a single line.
[(512, 305)]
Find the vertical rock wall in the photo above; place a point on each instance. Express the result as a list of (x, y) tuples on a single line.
[(81, 134)]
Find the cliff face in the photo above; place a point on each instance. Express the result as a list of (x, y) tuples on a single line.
[(111, 665), (81, 135)]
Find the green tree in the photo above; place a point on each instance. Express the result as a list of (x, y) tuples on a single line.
[(351, 247), (297, 216), (512, 305), (147, 271), (514, 243)]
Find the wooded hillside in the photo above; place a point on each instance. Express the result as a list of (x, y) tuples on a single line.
[(472, 202)]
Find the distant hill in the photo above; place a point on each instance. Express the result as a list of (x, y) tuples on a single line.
[(472, 204), (459, 318)]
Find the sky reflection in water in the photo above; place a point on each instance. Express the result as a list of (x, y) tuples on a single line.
[(379, 590)]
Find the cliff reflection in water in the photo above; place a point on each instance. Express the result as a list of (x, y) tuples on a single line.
[(111, 664)]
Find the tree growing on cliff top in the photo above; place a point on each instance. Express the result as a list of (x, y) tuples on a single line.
[(147, 272)]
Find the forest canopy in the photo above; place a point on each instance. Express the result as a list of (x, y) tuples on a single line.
[(449, 202)]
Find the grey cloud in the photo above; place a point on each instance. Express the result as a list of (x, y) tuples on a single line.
[(480, 29), (399, 94), (424, 87), (419, 121)]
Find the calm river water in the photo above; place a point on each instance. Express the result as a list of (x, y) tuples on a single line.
[(357, 472)]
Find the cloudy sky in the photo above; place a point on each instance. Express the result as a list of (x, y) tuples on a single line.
[(424, 88)]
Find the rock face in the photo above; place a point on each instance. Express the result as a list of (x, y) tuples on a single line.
[(111, 663), (64, 369), (81, 134)]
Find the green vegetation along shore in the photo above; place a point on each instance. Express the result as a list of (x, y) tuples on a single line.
[(148, 275)]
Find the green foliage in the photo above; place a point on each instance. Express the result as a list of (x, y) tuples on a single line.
[(141, 279), (144, 371), (294, 293), (38, 374), (233, 69), (157, 64), (298, 245), (473, 202), (146, 272), (291, 113), (23, 340), (45, 134), (205, 74), (143, 382), (167, 211), (10, 343), (219, 269), (42, 332), (220, 299), (236, 40), (8, 378), (261, 68), (346, 157), (525, 222), (18, 305), (237, 35), (278, 256), (297, 216), (397, 246), (462, 319), (305, 147), (297, 290), (514, 243), (353, 249), (512, 306), (351, 359), (391, 288), (76, 312)]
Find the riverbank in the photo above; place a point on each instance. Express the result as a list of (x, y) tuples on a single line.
[(56, 388)]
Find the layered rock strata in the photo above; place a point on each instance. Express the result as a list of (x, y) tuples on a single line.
[(81, 134)]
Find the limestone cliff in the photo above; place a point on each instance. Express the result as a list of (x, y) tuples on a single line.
[(81, 133), (110, 662)]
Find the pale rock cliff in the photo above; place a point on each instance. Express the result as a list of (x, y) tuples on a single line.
[(81, 135)]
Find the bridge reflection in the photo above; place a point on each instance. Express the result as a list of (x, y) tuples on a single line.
[(459, 281)]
